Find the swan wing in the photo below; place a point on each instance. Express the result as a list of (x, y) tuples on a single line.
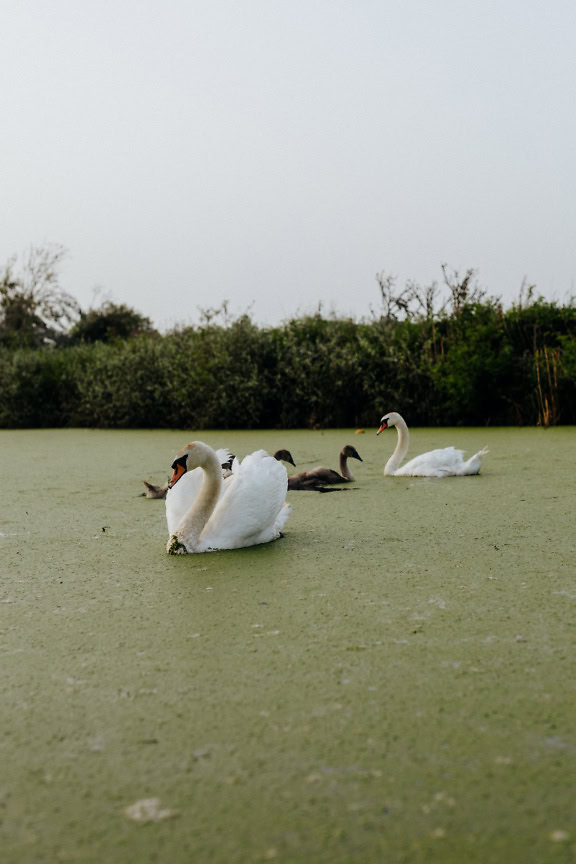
[(435, 463), (249, 511)]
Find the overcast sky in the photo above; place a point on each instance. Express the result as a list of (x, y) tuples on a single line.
[(280, 153)]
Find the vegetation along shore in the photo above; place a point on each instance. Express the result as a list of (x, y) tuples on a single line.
[(445, 355)]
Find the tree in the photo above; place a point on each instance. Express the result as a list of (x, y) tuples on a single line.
[(108, 323), (34, 309)]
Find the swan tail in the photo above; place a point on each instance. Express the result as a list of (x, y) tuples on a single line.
[(479, 454), (283, 517), (473, 465)]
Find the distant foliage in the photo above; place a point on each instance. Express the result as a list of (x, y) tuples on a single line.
[(108, 323), (442, 355), (34, 309)]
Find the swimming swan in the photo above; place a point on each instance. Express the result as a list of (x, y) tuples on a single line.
[(310, 480), (447, 462), (246, 509)]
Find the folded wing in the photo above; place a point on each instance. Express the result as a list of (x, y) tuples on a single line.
[(249, 510)]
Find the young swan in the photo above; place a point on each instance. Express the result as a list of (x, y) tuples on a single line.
[(284, 456), (317, 477), (249, 510), (446, 462), (154, 491)]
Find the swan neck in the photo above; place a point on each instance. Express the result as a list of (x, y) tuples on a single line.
[(401, 447), (344, 470), (194, 522)]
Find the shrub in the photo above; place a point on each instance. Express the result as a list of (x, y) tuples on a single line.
[(476, 364)]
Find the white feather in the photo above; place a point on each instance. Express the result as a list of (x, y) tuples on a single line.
[(446, 462), (249, 510)]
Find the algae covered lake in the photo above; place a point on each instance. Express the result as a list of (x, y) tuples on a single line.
[(393, 681)]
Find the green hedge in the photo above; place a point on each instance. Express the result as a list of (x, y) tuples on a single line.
[(481, 365)]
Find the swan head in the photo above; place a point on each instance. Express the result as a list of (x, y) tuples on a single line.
[(351, 453), (388, 420), (284, 456), (190, 457)]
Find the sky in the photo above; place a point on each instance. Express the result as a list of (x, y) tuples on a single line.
[(280, 154)]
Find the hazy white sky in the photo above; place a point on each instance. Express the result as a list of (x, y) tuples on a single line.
[(282, 152)]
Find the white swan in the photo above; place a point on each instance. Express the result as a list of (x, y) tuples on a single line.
[(246, 509), (447, 462)]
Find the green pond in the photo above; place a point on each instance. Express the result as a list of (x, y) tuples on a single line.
[(393, 681)]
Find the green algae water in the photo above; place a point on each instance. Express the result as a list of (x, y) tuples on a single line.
[(393, 681)]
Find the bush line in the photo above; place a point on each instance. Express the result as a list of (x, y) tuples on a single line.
[(479, 365)]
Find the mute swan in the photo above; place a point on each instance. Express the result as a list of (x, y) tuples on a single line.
[(310, 480), (246, 509), (446, 462), (153, 491)]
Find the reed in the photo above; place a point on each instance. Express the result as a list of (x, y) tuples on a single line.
[(547, 363)]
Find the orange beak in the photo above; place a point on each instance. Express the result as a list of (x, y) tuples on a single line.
[(381, 429), (179, 470)]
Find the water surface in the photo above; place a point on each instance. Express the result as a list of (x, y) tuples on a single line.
[(392, 681)]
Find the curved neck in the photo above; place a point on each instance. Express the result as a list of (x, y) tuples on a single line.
[(194, 522), (344, 470), (401, 447)]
